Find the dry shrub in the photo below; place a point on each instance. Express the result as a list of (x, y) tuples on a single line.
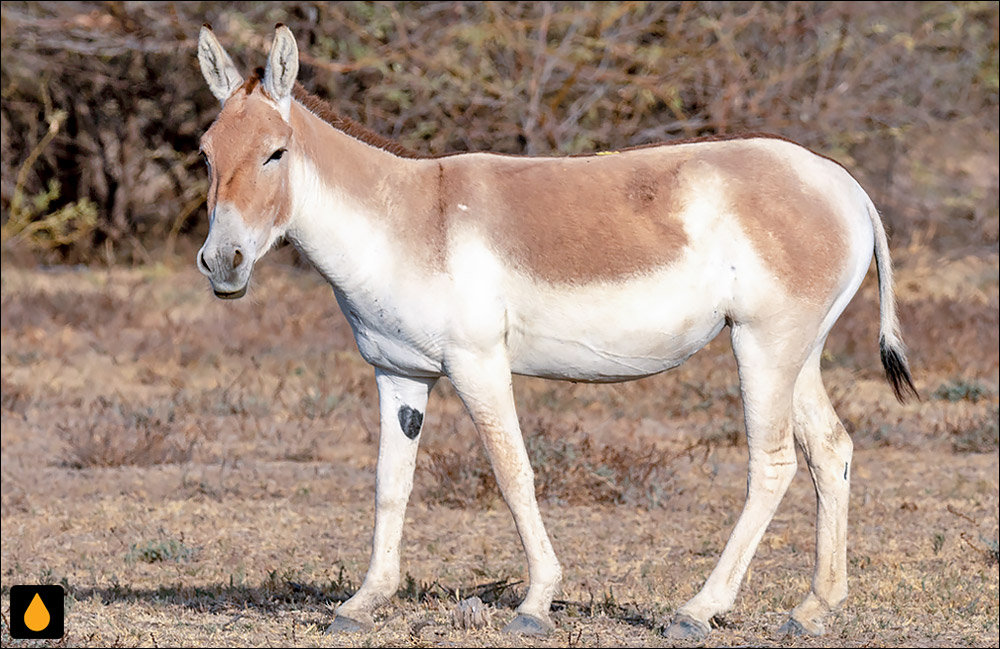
[(881, 87), (54, 310), (941, 333), (570, 468), (460, 478), (14, 398), (160, 551), (111, 434), (975, 433), (962, 390)]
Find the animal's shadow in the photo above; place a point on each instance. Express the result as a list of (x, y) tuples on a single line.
[(315, 601)]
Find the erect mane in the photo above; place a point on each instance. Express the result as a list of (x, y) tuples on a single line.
[(325, 112)]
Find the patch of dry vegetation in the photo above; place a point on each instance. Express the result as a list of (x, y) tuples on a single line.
[(571, 467), (110, 434), (247, 515), (103, 103), (589, 471)]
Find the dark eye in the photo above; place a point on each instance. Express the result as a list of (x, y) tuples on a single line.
[(276, 155), (204, 158)]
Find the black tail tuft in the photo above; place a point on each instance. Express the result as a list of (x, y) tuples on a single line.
[(897, 371)]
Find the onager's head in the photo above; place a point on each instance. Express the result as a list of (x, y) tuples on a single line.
[(249, 199)]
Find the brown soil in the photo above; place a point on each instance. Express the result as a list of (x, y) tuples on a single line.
[(199, 472)]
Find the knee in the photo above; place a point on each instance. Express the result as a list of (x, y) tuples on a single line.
[(787, 469), (391, 504), (842, 443), (838, 452), (774, 470)]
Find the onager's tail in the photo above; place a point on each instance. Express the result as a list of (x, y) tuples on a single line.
[(890, 339)]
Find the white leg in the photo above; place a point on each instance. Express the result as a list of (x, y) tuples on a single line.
[(402, 403), (484, 384), (767, 386), (827, 449)]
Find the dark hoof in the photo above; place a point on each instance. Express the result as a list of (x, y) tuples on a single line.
[(797, 629), (528, 625), (343, 624), (685, 627)]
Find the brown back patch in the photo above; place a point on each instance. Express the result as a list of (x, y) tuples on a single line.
[(793, 227), (575, 220)]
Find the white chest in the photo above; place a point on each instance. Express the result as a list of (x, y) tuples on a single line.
[(390, 338)]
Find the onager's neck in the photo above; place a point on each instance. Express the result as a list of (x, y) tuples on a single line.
[(351, 202)]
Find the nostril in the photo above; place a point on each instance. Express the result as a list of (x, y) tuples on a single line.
[(204, 262), (237, 259)]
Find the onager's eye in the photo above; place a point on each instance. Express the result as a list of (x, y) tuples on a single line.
[(276, 155), (204, 158)]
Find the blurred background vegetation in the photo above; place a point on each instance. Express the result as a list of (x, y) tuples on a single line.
[(103, 102)]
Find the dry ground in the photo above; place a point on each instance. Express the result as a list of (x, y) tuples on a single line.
[(198, 472)]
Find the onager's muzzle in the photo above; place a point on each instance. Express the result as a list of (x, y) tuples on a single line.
[(227, 269), (227, 259)]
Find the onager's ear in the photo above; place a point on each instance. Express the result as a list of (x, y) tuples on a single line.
[(282, 68), (216, 66)]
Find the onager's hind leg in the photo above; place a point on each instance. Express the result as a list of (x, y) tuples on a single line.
[(484, 384), (827, 449), (768, 366)]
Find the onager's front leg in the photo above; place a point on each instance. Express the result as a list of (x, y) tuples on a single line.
[(484, 384), (402, 403)]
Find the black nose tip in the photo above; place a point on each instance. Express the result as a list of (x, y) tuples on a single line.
[(204, 262)]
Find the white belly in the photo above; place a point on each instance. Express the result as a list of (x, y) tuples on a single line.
[(614, 332), (599, 359)]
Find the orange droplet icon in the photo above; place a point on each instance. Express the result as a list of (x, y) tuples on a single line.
[(37, 616)]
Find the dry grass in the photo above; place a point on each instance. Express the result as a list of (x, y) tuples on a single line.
[(572, 468), (110, 435), (227, 454)]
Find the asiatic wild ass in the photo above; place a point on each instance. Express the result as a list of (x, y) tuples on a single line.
[(591, 268)]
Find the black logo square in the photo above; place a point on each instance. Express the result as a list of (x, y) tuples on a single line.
[(37, 612)]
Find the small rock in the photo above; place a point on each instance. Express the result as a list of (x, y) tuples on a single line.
[(470, 613)]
